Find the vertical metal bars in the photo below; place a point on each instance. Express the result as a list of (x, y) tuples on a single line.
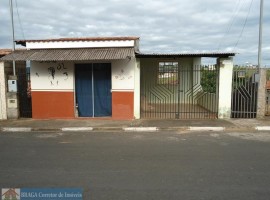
[(267, 106), (173, 91), (24, 91), (244, 92)]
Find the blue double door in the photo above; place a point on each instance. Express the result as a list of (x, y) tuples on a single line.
[(93, 89)]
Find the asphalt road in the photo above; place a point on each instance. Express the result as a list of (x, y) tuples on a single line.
[(141, 166)]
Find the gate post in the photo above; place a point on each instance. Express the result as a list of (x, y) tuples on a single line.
[(261, 97), (137, 93), (3, 105), (225, 66)]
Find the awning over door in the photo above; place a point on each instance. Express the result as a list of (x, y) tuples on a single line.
[(81, 54)]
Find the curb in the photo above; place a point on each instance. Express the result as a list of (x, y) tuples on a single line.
[(16, 129), (134, 129), (262, 128), (66, 129), (140, 129), (209, 128)]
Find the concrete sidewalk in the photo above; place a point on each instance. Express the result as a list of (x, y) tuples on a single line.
[(132, 125)]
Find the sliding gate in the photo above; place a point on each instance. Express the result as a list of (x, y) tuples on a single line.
[(172, 91)]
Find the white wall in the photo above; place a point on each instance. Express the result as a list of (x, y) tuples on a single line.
[(137, 91), (225, 87), (79, 44), (123, 74), (52, 76), (42, 79), (3, 107)]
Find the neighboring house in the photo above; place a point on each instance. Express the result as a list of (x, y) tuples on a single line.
[(4, 52), (3, 108), (109, 77)]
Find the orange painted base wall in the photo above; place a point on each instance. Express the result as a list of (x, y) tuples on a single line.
[(122, 105), (47, 105)]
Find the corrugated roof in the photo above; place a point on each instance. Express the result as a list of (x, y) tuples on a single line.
[(70, 54), (179, 55), (79, 39)]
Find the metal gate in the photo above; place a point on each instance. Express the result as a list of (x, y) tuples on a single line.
[(24, 92), (244, 92), (267, 105), (172, 91)]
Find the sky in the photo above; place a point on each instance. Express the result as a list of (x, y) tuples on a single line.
[(164, 26)]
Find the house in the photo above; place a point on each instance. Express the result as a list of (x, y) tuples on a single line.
[(81, 77), (3, 111), (109, 77)]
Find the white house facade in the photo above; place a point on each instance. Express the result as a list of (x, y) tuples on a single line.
[(108, 77)]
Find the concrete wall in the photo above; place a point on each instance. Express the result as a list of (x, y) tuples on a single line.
[(137, 90), (3, 106), (12, 98), (225, 87), (123, 75), (52, 89), (52, 76), (123, 81), (261, 102)]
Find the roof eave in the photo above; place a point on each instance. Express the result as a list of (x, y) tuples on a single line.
[(210, 55), (84, 39)]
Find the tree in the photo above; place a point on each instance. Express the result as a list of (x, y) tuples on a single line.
[(208, 80)]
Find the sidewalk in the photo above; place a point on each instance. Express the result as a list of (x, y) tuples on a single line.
[(133, 125)]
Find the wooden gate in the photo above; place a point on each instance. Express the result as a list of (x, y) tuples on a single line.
[(244, 92)]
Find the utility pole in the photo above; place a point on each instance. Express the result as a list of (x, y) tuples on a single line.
[(13, 37), (261, 94), (260, 36)]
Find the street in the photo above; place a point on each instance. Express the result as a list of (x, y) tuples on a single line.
[(141, 166)]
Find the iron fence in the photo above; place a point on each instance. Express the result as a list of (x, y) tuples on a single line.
[(244, 92), (24, 92), (172, 91), (267, 108)]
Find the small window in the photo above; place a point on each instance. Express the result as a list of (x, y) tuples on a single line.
[(168, 73)]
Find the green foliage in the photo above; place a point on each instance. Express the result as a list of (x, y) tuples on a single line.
[(208, 80)]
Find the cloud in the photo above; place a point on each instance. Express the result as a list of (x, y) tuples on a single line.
[(164, 26)]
